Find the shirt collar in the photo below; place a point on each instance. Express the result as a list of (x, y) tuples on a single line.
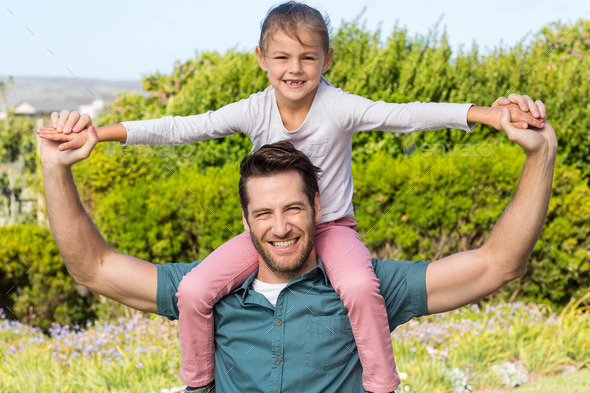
[(317, 271)]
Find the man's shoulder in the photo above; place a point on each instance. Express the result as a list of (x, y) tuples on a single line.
[(169, 277), (400, 278), (175, 271), (396, 267), (403, 287)]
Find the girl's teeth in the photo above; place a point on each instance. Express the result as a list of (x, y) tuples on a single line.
[(294, 83)]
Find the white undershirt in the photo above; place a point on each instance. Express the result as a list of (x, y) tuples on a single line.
[(269, 291)]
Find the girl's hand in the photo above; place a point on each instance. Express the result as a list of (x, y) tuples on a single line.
[(71, 140), (68, 122), (51, 156), (520, 118), (525, 103)]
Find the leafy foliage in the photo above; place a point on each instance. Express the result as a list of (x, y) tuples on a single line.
[(435, 204), (422, 195), (182, 218), (34, 282), (17, 166)]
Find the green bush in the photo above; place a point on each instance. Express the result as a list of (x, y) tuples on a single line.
[(158, 202), (426, 206), (35, 285), (437, 203), (182, 218)]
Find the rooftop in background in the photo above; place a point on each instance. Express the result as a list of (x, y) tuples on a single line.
[(55, 94)]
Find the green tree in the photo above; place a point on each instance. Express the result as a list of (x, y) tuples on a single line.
[(17, 165)]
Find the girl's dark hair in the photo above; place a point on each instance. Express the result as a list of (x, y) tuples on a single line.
[(275, 159), (290, 18)]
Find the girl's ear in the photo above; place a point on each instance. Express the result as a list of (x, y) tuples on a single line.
[(328, 60), (260, 58)]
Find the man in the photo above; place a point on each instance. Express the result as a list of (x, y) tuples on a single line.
[(304, 342)]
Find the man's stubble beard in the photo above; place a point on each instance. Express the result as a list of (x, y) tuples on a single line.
[(292, 270)]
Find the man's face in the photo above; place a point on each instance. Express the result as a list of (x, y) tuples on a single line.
[(281, 222)]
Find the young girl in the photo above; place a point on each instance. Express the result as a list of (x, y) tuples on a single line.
[(320, 120)]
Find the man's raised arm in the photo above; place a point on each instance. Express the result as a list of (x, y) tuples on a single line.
[(468, 276), (88, 258)]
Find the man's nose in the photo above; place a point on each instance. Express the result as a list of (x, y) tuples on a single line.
[(281, 226)]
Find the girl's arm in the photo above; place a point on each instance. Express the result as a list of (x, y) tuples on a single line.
[(170, 130), (491, 116), (77, 139), (523, 110)]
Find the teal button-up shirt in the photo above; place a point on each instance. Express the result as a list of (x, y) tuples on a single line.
[(305, 343)]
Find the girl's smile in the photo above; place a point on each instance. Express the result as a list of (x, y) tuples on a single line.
[(294, 68)]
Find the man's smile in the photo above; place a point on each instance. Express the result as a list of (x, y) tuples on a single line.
[(283, 244)]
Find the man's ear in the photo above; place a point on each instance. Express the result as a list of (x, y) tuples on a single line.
[(328, 60), (260, 58), (318, 208), (245, 222)]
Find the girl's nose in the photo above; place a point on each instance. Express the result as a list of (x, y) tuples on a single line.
[(295, 66)]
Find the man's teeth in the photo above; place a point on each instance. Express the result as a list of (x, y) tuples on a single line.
[(294, 83), (284, 244)]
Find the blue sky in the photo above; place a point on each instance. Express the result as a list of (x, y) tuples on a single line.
[(127, 38)]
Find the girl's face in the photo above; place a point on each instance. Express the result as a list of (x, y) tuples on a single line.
[(294, 70)]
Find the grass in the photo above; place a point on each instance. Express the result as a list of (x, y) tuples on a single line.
[(572, 383), (489, 349)]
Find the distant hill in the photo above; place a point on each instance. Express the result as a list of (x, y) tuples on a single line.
[(54, 94)]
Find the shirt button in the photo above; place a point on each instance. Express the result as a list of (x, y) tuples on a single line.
[(279, 323), (278, 361)]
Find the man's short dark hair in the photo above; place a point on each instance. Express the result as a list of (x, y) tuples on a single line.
[(274, 159)]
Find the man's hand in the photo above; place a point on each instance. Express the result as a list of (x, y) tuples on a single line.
[(70, 141), (532, 140), (524, 111), (51, 154), (68, 122)]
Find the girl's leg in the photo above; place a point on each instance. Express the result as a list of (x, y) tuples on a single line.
[(348, 266), (217, 275)]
